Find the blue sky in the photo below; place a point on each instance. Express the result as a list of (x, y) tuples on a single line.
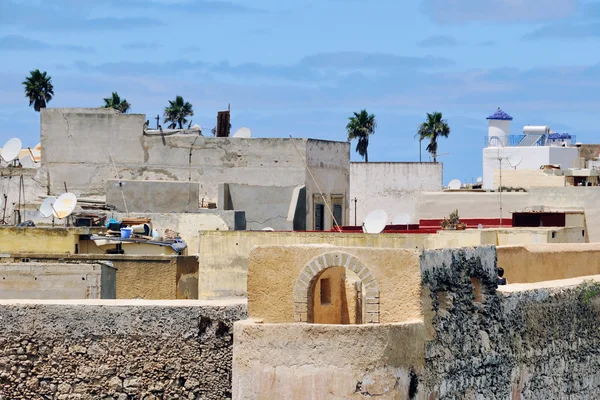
[(302, 67)]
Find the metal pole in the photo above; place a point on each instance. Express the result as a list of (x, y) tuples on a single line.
[(500, 159), (355, 201)]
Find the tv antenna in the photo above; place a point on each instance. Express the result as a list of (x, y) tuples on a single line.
[(375, 222)]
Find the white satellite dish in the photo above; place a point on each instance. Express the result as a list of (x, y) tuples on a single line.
[(375, 222), (27, 162), (242, 133), (46, 207), (454, 184), (480, 180), (11, 149), (65, 205), (513, 161), (401, 219), (269, 229)]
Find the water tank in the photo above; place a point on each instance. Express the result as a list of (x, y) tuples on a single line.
[(536, 130)]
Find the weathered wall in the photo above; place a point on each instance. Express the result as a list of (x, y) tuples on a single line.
[(264, 206), (153, 196), (391, 186), (537, 342), (223, 255), (273, 272), (545, 262), (326, 361), (55, 281), (528, 178), (117, 349), (329, 163), (69, 134), (470, 204), (138, 276), (39, 240)]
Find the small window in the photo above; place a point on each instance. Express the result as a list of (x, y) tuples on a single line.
[(338, 215), (319, 217), (325, 291)]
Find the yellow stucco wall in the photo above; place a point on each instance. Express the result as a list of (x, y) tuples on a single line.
[(546, 262), (274, 271), (38, 240)]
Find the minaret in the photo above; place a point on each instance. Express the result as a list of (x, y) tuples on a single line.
[(498, 129)]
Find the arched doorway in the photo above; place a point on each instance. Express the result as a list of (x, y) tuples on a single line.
[(336, 288), (336, 297)]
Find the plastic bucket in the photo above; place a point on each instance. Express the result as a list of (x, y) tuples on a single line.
[(126, 233)]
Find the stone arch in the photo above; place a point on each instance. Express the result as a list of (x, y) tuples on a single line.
[(313, 269)]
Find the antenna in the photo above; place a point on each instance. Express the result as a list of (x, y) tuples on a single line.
[(242, 133), (11, 149), (375, 222), (46, 208), (65, 205), (454, 184)]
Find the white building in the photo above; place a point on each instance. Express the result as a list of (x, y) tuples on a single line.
[(535, 147)]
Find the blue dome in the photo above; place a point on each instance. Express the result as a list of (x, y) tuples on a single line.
[(500, 115)]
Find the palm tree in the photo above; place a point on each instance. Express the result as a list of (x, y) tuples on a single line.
[(176, 112), (361, 126), (39, 89), (435, 126), (117, 103)]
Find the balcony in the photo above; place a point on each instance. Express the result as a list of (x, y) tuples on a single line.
[(553, 139)]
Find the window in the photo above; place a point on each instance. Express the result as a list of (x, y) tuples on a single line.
[(319, 217), (325, 291), (338, 215)]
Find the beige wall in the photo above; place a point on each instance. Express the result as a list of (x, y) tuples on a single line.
[(546, 262), (273, 272), (336, 310), (471, 204), (50, 281), (138, 276), (527, 178), (325, 361), (39, 240), (223, 255)]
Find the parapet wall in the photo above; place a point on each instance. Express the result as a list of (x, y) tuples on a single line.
[(117, 350)]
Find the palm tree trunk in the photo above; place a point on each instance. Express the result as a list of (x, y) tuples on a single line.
[(435, 157), (366, 156), (420, 146)]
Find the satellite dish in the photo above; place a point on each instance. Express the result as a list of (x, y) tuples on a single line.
[(196, 127), (479, 226), (375, 222), (46, 207), (513, 161), (11, 149), (64, 205), (480, 180), (401, 219), (454, 184), (27, 162), (242, 133), (269, 229)]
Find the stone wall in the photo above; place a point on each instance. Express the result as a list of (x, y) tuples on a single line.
[(117, 350), (523, 342), (391, 186), (153, 196)]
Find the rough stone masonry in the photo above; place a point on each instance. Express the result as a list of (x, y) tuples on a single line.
[(117, 349)]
